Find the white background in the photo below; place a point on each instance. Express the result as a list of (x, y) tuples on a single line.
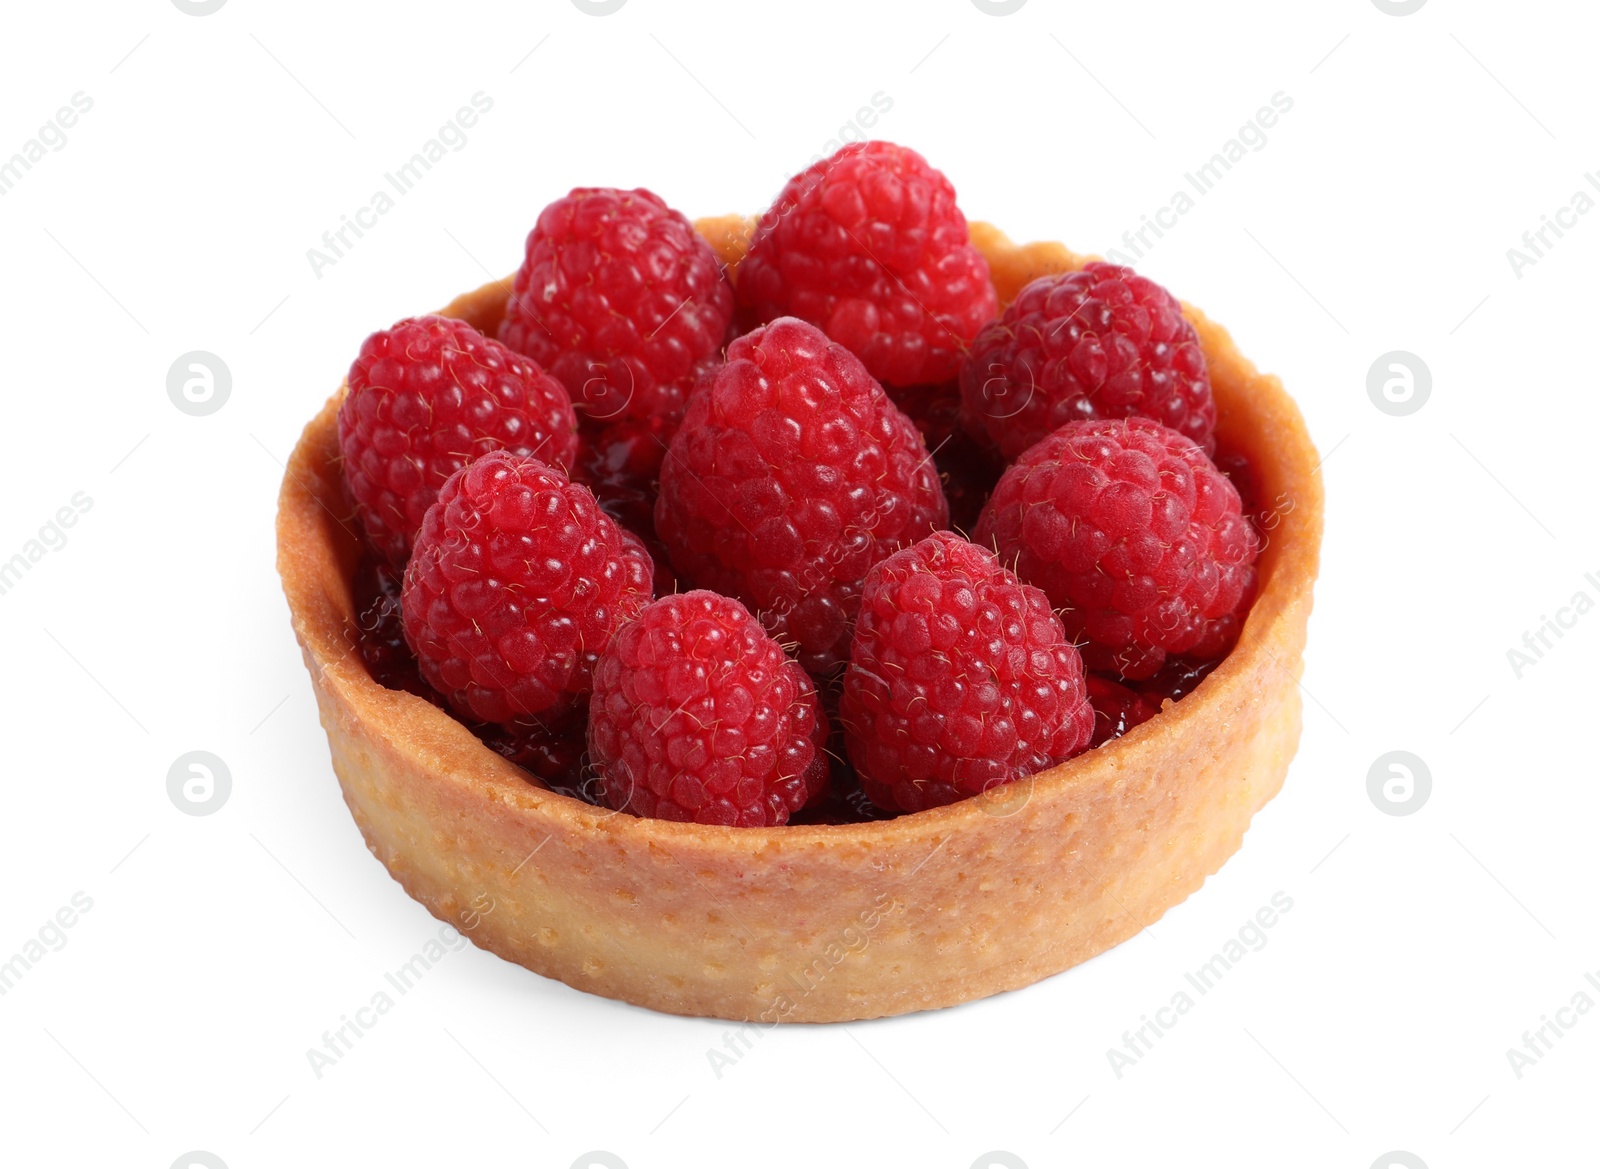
[(1377, 217)]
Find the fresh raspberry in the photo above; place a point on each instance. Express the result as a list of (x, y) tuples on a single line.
[(1129, 527), (1117, 710), (552, 753), (960, 678), (792, 475), (697, 715), (427, 397), (870, 246), (517, 583), (620, 299), (1104, 342), (968, 470)]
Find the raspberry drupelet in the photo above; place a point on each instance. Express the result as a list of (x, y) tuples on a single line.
[(869, 245), (428, 396), (792, 475), (960, 678), (698, 715), (1103, 342), (622, 301), (1129, 529), (517, 583)]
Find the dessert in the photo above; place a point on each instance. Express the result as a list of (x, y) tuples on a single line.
[(765, 924)]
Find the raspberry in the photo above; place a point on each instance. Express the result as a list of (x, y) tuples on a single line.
[(1129, 527), (960, 678), (517, 583), (621, 300), (870, 246), (697, 715), (1117, 710), (792, 475), (554, 754), (1100, 343), (426, 398), (968, 471)]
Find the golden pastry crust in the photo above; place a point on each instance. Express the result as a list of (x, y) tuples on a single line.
[(824, 923)]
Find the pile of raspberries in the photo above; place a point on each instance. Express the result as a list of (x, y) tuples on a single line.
[(823, 539)]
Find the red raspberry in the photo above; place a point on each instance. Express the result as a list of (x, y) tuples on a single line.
[(792, 475), (620, 299), (517, 583), (960, 678), (697, 715), (1129, 527), (870, 246), (1100, 343), (428, 396), (1117, 710), (554, 754)]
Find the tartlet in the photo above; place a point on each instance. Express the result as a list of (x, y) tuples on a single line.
[(829, 922)]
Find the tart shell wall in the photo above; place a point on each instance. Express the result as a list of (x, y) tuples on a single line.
[(820, 923)]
